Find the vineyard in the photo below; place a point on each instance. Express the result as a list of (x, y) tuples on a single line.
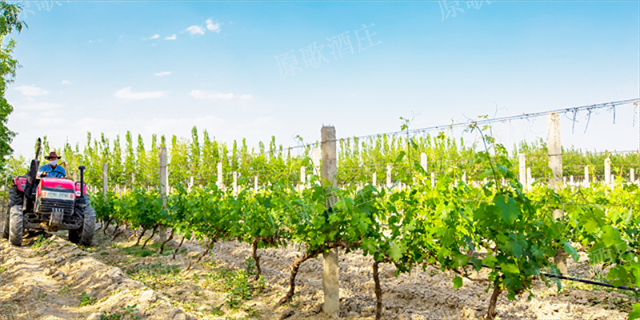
[(407, 201)]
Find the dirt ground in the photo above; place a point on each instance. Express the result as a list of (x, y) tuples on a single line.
[(46, 280), (47, 277)]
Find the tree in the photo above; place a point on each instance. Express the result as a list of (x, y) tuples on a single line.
[(8, 65)]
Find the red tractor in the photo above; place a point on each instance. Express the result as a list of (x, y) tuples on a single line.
[(50, 204)]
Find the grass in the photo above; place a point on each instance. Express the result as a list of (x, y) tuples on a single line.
[(64, 290), (124, 313), (212, 285), (86, 300), (156, 275)]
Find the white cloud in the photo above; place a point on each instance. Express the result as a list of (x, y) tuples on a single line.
[(66, 82), (155, 36), (40, 106), (173, 37), (198, 94), (213, 27), (30, 91), (163, 73), (195, 30), (246, 97), (127, 94)]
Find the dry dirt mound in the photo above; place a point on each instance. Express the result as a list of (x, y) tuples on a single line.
[(49, 277), (54, 279), (427, 294)]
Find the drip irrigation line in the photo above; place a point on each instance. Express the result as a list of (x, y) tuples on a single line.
[(596, 283)]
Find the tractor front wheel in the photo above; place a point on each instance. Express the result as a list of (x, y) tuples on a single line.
[(16, 225), (84, 235)]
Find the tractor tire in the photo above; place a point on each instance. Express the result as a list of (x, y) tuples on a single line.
[(5, 223), (15, 198), (88, 227), (84, 235), (16, 225)]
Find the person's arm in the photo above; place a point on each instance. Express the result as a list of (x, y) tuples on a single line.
[(42, 169)]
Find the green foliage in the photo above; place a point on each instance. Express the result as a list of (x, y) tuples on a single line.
[(8, 65), (450, 223), (86, 300), (125, 313)]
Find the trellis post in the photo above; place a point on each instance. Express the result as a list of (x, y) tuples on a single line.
[(105, 179), (522, 169), (423, 161), (607, 171), (219, 181), (255, 184), (330, 273), (586, 176), (554, 148), (164, 183), (235, 183)]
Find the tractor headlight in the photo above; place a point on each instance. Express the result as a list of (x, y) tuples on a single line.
[(58, 195)]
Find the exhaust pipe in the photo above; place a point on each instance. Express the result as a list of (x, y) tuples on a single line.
[(81, 180)]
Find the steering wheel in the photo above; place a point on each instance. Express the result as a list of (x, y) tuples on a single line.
[(58, 174)]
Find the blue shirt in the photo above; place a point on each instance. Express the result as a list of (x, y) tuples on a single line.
[(47, 167)]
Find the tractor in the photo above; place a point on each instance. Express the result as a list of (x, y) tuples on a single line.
[(49, 203)]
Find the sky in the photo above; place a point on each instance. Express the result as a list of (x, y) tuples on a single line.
[(262, 69)]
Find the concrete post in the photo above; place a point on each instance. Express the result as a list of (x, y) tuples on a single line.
[(464, 177), (423, 161), (586, 177), (330, 273), (235, 183), (388, 176), (554, 147), (572, 183), (220, 182), (522, 169), (607, 171), (105, 179), (632, 175), (373, 179), (255, 184), (433, 179), (529, 179), (164, 183)]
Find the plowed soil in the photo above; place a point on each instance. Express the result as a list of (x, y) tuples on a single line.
[(46, 279)]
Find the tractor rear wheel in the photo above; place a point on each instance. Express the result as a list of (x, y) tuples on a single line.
[(5, 223), (15, 198), (16, 225)]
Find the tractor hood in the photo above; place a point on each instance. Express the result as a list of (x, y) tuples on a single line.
[(56, 183)]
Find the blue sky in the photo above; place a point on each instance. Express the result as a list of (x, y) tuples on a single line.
[(162, 68)]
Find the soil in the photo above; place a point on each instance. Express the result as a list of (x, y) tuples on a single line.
[(48, 278)]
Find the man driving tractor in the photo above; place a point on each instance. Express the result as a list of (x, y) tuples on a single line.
[(52, 169)]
